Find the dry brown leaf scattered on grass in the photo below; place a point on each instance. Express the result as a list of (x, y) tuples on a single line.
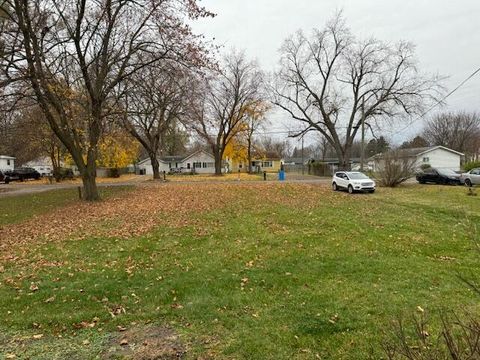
[(148, 206)]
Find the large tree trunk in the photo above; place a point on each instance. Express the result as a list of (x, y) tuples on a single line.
[(155, 166), (90, 190), (218, 154), (249, 156), (344, 158), (89, 174)]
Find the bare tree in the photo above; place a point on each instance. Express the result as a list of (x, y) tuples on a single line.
[(277, 148), (74, 57), (222, 103), (326, 80), (395, 168), (156, 101), (255, 120), (457, 131)]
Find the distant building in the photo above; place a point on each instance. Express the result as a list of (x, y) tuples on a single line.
[(200, 162), (438, 157), (42, 164), (7, 163), (259, 164)]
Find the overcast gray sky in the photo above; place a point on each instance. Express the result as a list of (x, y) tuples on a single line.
[(446, 33)]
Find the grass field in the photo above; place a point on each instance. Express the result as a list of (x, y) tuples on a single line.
[(233, 271)]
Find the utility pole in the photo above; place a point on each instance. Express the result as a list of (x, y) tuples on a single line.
[(362, 154)]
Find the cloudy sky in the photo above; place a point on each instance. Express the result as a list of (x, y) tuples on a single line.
[(446, 33)]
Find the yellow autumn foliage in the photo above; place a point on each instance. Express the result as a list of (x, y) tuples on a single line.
[(236, 150), (117, 151)]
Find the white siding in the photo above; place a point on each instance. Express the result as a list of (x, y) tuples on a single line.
[(187, 164), (147, 166), (7, 163), (440, 159), (43, 165), (204, 159)]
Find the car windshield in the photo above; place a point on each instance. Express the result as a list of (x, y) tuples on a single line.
[(357, 176), (447, 172)]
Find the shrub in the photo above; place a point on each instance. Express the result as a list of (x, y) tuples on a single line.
[(458, 338), (471, 165), (395, 169)]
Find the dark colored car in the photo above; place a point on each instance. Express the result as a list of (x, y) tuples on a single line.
[(4, 177), (22, 174), (439, 176)]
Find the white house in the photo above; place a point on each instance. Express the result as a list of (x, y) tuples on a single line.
[(438, 157), (7, 163), (42, 164), (200, 162)]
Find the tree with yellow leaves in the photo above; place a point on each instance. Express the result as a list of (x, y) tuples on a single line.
[(117, 150)]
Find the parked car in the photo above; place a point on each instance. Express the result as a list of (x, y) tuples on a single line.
[(4, 177), (471, 178), (22, 174), (438, 176), (60, 174), (352, 181)]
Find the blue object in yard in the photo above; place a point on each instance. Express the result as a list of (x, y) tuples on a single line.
[(281, 175)]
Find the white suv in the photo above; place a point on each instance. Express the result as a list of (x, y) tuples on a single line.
[(352, 181)]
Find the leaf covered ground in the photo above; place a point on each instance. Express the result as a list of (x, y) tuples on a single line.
[(230, 270)]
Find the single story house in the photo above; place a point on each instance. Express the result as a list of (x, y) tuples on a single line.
[(200, 162), (438, 157), (268, 164), (7, 162)]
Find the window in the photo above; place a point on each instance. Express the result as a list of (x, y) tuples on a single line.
[(210, 165), (188, 166), (426, 159), (8, 162), (267, 164), (197, 165), (204, 165)]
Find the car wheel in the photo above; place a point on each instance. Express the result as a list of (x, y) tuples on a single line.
[(468, 183), (334, 187), (350, 189), (7, 180), (372, 191), (421, 182)]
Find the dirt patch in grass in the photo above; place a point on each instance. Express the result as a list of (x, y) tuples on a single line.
[(145, 344)]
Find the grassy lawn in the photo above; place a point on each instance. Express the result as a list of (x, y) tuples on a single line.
[(279, 271), (18, 208)]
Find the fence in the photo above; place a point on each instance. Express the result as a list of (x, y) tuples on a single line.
[(314, 169)]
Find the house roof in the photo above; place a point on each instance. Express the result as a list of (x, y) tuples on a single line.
[(175, 158), (413, 152), (7, 157)]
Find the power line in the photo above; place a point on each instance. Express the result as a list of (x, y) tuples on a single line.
[(440, 101)]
